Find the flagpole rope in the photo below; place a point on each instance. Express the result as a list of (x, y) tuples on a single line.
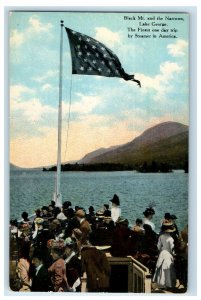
[(68, 122)]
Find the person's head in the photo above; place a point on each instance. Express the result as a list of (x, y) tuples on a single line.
[(115, 200), (80, 214), (70, 213), (53, 203), (91, 209), (56, 248), (14, 222), (106, 206), (167, 216), (168, 227), (138, 222), (24, 215), (37, 259), (57, 253), (148, 213), (79, 237), (38, 213), (67, 204), (55, 225)]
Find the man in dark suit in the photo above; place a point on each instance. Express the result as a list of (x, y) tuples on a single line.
[(41, 279)]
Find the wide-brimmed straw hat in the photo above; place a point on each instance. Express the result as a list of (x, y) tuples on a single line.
[(167, 226), (39, 220)]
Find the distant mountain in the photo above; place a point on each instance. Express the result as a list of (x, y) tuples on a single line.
[(164, 143), (88, 157)]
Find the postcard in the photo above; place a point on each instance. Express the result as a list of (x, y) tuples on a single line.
[(99, 155)]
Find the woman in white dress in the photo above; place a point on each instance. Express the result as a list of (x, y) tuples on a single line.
[(115, 209), (165, 275)]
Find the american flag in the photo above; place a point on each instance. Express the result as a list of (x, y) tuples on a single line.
[(91, 57)]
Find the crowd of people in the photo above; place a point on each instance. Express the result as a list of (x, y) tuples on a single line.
[(61, 245)]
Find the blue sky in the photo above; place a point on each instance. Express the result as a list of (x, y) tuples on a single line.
[(104, 111)]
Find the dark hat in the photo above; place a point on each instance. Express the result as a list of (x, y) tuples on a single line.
[(70, 213), (45, 207), (139, 221), (167, 216), (66, 204), (53, 203), (24, 214), (149, 211), (115, 200)]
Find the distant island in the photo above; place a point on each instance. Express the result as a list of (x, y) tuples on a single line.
[(161, 148)]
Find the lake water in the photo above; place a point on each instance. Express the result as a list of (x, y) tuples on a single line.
[(30, 190)]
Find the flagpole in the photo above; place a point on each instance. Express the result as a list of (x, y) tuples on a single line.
[(58, 195)]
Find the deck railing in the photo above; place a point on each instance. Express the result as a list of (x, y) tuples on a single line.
[(141, 278), (127, 276), (138, 276)]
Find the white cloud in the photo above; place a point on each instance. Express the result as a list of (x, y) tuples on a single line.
[(16, 91), (178, 49), (32, 110), (168, 69), (47, 87), (107, 36), (16, 38), (162, 82), (35, 26), (47, 75), (86, 104)]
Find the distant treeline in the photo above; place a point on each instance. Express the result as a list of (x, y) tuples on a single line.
[(153, 167), (91, 167)]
